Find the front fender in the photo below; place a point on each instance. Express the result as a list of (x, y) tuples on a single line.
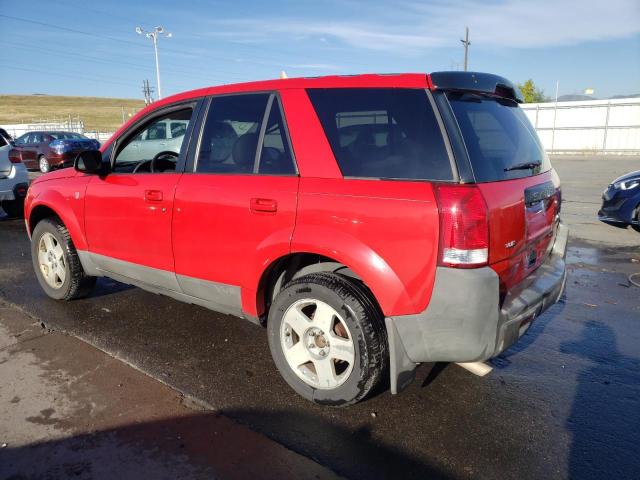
[(69, 210)]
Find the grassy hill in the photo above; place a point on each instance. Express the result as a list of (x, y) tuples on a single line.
[(101, 114)]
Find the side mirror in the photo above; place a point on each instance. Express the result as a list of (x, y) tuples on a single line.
[(90, 161)]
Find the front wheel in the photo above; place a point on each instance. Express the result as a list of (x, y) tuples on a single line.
[(327, 339), (56, 263), (636, 217)]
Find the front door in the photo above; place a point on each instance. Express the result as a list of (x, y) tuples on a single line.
[(128, 212), (238, 205)]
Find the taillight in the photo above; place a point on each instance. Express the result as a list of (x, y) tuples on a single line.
[(14, 156), (464, 226)]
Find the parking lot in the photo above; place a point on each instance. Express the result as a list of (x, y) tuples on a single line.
[(562, 403)]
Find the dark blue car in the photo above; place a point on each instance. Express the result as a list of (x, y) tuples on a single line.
[(621, 202)]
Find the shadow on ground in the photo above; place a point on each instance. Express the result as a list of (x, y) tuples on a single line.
[(605, 407), (194, 447)]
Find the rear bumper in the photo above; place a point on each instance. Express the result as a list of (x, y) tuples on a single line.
[(12, 187), (465, 322)]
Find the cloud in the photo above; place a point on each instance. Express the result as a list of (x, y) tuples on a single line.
[(410, 26)]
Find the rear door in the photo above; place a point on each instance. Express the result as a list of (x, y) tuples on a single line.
[(28, 150), (237, 206), (513, 172)]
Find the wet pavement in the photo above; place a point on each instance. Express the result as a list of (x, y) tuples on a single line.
[(562, 403)]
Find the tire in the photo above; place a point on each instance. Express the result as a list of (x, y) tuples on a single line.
[(353, 310), (43, 164), (14, 208), (636, 226), (76, 283)]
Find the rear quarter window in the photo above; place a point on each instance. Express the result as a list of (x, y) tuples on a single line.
[(383, 133)]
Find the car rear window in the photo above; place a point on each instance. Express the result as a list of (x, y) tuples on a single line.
[(501, 142), (383, 133)]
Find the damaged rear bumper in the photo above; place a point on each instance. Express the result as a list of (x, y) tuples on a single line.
[(465, 322)]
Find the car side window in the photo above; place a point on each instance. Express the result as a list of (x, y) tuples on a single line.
[(231, 132), (275, 156), (148, 149)]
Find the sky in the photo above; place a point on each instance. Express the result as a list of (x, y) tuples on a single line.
[(79, 47)]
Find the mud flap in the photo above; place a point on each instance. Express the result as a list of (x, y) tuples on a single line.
[(402, 369)]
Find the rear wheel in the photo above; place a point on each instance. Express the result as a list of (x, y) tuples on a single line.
[(56, 262), (43, 164), (14, 208), (327, 339)]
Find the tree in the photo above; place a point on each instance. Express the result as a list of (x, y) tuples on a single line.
[(531, 93)]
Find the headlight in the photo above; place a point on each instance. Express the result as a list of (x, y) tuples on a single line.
[(627, 184)]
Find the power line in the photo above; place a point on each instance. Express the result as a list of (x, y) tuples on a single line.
[(49, 72), (66, 29), (101, 60)]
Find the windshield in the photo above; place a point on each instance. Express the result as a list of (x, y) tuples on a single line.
[(501, 142)]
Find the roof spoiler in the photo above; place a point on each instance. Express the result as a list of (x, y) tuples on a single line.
[(477, 82)]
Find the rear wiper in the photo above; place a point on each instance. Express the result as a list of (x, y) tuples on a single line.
[(523, 166)]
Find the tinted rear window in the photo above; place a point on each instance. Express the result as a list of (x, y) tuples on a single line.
[(498, 137), (383, 133)]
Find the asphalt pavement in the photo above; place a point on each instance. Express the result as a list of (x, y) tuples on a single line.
[(564, 402)]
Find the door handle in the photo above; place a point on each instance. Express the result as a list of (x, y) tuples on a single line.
[(263, 205), (153, 195)]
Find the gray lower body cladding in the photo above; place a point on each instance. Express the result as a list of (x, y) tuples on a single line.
[(214, 296), (464, 321)]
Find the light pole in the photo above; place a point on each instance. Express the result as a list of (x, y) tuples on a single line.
[(153, 35), (466, 44)]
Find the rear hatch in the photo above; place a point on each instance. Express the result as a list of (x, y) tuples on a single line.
[(511, 169)]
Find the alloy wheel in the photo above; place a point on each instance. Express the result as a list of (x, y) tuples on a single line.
[(51, 261), (317, 344)]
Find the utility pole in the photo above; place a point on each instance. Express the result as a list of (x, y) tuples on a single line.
[(466, 44), (153, 35), (147, 90)]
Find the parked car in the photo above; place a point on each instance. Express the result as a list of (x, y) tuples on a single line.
[(621, 202), (14, 180), (5, 135), (45, 151), (370, 222)]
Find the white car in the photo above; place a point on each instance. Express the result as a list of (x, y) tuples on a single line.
[(14, 181), (164, 136)]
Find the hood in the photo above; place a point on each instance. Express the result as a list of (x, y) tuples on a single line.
[(62, 173), (627, 176)]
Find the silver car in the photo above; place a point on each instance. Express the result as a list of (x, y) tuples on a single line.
[(14, 181), (163, 136)]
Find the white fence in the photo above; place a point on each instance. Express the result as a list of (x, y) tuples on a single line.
[(602, 126)]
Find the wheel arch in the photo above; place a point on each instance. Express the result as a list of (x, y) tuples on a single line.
[(45, 208), (387, 290)]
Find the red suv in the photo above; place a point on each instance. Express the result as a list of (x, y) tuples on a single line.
[(370, 222)]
